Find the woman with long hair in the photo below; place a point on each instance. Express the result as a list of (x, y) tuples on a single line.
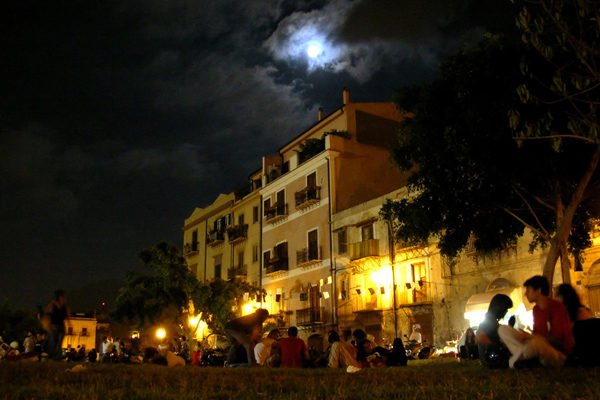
[(586, 329)]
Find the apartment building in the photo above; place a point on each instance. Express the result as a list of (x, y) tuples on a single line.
[(222, 240), (341, 161)]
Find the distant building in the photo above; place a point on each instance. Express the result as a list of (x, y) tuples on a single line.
[(81, 331)]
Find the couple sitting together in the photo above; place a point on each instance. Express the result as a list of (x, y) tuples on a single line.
[(552, 342)]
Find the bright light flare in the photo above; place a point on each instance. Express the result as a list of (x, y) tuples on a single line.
[(313, 50), (161, 333)]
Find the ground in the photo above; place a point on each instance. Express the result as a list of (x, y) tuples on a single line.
[(420, 380)]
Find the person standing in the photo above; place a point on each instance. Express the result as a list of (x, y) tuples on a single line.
[(58, 311), (29, 343), (245, 331), (292, 350)]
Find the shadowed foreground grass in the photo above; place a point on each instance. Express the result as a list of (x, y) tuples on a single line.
[(424, 381)]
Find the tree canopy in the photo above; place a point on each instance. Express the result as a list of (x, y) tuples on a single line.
[(470, 177), (173, 293)]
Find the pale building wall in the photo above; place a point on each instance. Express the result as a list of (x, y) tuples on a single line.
[(80, 332), (251, 244)]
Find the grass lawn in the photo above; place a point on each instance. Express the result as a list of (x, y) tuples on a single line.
[(424, 380)]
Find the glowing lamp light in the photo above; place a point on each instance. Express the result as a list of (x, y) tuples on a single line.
[(382, 276), (248, 308), (161, 333), (313, 50), (193, 321)]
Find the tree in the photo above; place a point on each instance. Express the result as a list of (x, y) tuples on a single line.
[(174, 293), (14, 324), (469, 176), (566, 33)]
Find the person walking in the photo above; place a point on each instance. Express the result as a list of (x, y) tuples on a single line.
[(58, 311)]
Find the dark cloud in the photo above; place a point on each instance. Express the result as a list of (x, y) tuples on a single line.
[(119, 118)]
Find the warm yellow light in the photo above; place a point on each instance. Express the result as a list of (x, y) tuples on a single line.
[(193, 321), (161, 333), (382, 276), (248, 308)]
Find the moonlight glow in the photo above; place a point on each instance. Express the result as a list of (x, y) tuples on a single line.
[(313, 50)]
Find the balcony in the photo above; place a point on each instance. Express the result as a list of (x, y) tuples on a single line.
[(415, 293), (275, 266), (307, 197), (241, 271), (366, 248), (308, 256), (276, 212), (215, 238), (190, 248), (237, 233), (84, 333), (309, 316)]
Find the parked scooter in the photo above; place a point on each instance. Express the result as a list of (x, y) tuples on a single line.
[(417, 350)]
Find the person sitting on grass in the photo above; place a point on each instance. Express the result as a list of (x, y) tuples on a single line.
[(492, 352), (245, 331), (586, 352), (292, 350), (366, 357), (341, 354), (552, 339)]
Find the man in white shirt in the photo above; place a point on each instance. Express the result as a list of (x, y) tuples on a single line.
[(416, 336), (262, 351)]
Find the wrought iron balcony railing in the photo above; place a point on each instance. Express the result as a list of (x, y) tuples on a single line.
[(276, 212), (215, 237), (309, 316), (237, 272), (277, 264), (308, 255), (237, 232), (307, 196)]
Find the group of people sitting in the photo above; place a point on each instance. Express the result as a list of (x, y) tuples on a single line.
[(563, 331), (248, 349)]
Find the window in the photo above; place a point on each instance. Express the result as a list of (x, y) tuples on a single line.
[(280, 198), (218, 262), (255, 214), (311, 180), (241, 219), (342, 238), (227, 220), (313, 245), (195, 240), (240, 259), (367, 232), (266, 258), (281, 251), (267, 205), (254, 253), (285, 168)]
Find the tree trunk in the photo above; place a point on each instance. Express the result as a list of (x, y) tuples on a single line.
[(551, 259), (564, 219)]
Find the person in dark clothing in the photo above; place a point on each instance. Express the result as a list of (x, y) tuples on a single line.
[(470, 350), (492, 352), (58, 311), (245, 331), (586, 328)]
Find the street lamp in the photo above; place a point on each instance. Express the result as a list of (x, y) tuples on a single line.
[(161, 333)]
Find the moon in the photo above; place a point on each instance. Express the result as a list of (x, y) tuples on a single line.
[(313, 50)]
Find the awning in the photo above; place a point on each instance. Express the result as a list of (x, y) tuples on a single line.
[(481, 301)]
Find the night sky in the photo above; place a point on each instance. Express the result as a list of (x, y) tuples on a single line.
[(118, 118)]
